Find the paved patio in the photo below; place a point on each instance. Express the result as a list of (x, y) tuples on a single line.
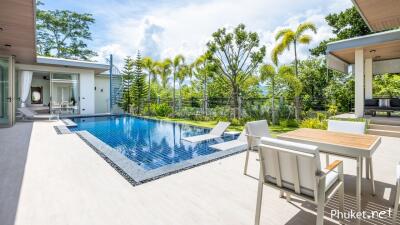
[(66, 182)]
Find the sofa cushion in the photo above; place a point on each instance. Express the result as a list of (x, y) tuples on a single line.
[(395, 102), (371, 102)]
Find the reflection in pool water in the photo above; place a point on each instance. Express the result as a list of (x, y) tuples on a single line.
[(150, 143)]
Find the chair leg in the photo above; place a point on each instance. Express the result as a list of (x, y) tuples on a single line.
[(288, 197), (320, 202), (371, 172), (396, 203), (247, 161), (320, 213), (259, 201), (341, 202)]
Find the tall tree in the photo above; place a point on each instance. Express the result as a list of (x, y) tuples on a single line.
[(286, 38), (312, 73), (164, 70), (138, 88), (184, 72), (127, 79), (282, 74), (203, 70), (151, 67), (63, 33), (177, 64), (237, 54), (346, 24)]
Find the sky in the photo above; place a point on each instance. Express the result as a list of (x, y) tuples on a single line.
[(161, 28)]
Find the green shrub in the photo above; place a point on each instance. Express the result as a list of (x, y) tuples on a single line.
[(332, 109), (321, 116), (235, 122), (314, 123), (289, 123), (162, 109)]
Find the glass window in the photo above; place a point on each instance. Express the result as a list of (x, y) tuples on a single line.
[(4, 95), (65, 93)]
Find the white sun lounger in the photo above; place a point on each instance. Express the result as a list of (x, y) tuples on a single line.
[(27, 113), (240, 142), (30, 114), (216, 132)]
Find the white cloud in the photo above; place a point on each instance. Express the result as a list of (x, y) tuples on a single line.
[(169, 29)]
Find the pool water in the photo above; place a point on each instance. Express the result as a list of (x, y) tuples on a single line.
[(149, 143)]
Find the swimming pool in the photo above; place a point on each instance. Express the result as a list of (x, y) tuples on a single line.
[(150, 144)]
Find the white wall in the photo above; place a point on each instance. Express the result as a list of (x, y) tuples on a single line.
[(86, 82), (387, 66), (86, 92), (102, 94)]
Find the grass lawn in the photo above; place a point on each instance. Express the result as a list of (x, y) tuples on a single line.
[(275, 130)]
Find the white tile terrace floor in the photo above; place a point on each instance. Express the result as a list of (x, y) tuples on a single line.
[(66, 183)]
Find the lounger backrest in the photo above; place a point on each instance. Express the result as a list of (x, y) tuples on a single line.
[(220, 128), (242, 137), (27, 112), (257, 129), (346, 126), (290, 165)]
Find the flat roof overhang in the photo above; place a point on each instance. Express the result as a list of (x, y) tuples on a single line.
[(379, 47), (379, 15), (60, 62), (17, 30)]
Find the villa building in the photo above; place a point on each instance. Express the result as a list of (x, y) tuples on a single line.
[(368, 55), (44, 85)]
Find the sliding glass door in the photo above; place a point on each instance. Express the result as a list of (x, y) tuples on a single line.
[(64, 93), (7, 111)]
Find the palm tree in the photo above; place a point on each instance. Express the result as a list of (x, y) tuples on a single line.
[(184, 72), (203, 66), (176, 65), (151, 68), (286, 38), (164, 70), (272, 74)]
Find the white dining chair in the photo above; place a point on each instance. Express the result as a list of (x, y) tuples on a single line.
[(353, 127), (255, 131), (295, 169)]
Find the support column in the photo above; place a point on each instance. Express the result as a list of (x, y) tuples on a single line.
[(359, 83), (368, 78)]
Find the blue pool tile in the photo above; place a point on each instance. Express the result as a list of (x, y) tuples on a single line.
[(151, 144)]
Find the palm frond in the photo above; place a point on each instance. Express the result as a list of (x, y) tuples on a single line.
[(285, 43), (305, 27), (266, 72), (286, 70), (276, 52), (288, 39), (305, 39), (282, 32), (178, 60)]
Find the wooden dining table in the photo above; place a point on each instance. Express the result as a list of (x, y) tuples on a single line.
[(355, 146)]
